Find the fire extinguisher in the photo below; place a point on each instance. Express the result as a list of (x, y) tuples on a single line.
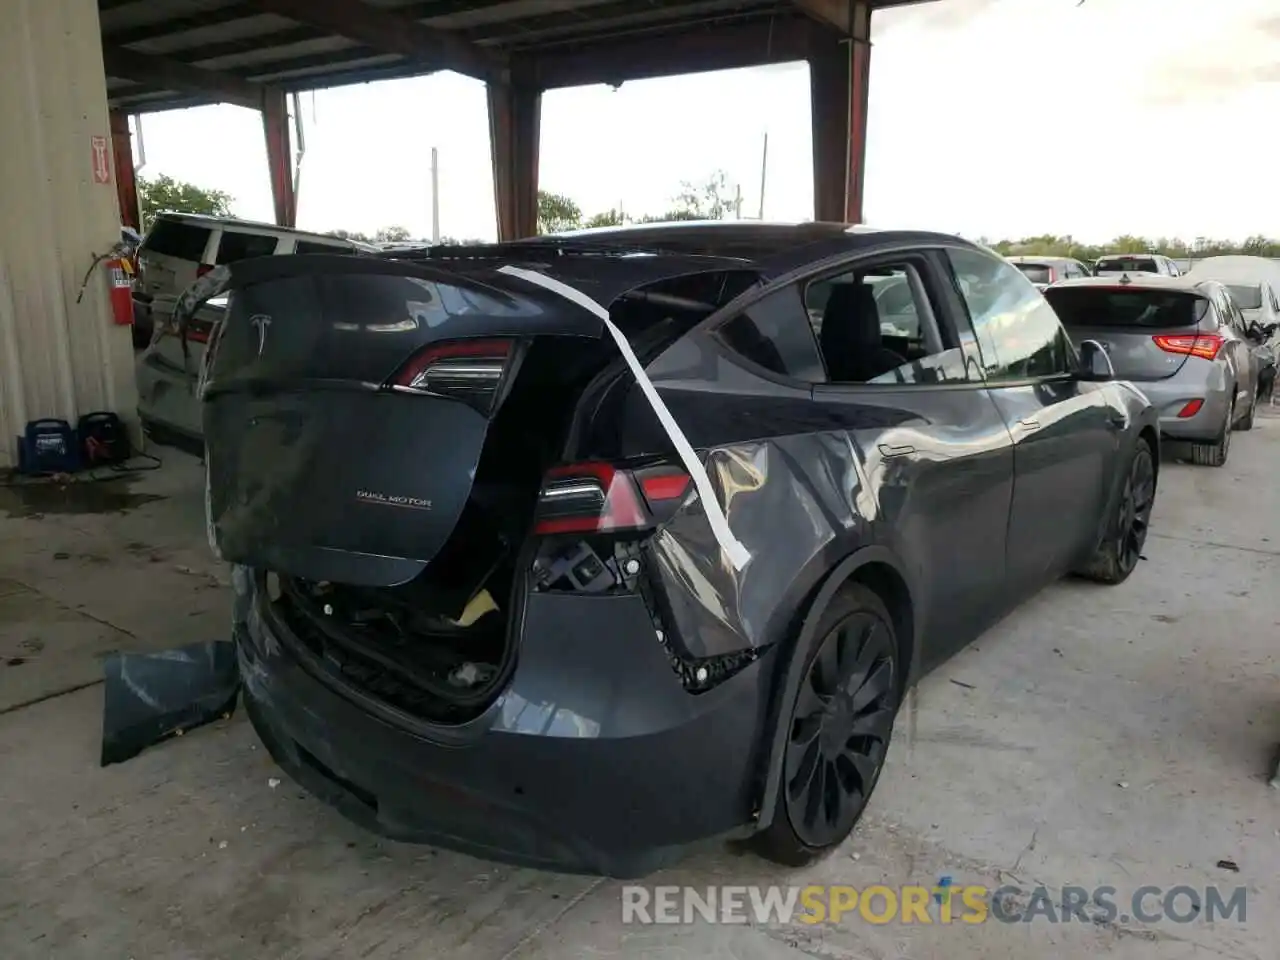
[(120, 286)]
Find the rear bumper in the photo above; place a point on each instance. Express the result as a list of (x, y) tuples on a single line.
[(594, 760), (1197, 380)]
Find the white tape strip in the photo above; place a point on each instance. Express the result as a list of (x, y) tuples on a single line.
[(738, 554)]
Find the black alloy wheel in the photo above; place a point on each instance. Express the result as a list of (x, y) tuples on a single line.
[(840, 728), (1136, 501)]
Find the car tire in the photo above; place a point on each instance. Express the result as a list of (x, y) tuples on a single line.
[(1214, 453), (1246, 422), (839, 726), (1126, 534)]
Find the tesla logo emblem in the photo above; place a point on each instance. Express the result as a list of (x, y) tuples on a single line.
[(260, 323)]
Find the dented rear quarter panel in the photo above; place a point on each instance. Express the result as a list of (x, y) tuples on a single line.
[(816, 467)]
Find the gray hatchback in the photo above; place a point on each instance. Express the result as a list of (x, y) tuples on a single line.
[(1182, 342)]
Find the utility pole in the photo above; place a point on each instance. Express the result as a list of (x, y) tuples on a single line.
[(764, 171), (435, 195)]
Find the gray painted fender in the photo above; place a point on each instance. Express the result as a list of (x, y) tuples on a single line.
[(793, 673)]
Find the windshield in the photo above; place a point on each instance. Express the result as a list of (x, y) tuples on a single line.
[(1036, 272), (1246, 297), (1127, 265), (1108, 307)]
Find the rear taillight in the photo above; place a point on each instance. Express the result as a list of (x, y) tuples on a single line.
[(1204, 345), (1190, 409), (203, 269), (599, 498), (471, 371), (1053, 275)]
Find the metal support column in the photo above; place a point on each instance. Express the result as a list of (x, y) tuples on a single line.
[(122, 161), (839, 80), (275, 125), (515, 109)]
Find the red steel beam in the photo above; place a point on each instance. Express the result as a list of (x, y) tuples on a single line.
[(275, 125), (839, 82), (389, 32), (515, 112), (122, 160)]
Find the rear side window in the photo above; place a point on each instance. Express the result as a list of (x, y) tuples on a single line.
[(1128, 265), (244, 246), (175, 238), (307, 246), (775, 334), (1101, 307), (1246, 297), (1036, 272)]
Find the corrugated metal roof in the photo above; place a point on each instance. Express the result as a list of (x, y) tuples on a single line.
[(248, 42)]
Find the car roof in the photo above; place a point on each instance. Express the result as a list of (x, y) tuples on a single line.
[(1237, 269), (770, 248), (1033, 259), (1132, 256), (1137, 281)]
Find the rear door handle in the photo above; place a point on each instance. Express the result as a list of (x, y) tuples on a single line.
[(888, 450), (1029, 423)]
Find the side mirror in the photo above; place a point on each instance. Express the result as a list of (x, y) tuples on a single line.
[(1095, 365)]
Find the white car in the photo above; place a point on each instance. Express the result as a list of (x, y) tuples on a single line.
[(1116, 264)]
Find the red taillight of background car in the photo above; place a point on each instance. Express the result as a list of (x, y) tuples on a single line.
[(1190, 409), (1203, 345), (468, 370), (599, 498)]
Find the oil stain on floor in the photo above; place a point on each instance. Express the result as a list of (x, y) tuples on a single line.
[(32, 499)]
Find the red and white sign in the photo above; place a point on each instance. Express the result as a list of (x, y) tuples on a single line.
[(101, 165)]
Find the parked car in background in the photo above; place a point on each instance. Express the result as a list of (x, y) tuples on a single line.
[(1181, 341), (470, 547), (179, 247), (1042, 271), (1254, 284), (1135, 263)]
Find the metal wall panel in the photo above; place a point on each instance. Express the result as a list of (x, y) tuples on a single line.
[(58, 358)]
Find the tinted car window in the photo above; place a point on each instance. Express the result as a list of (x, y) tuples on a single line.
[(1103, 307), (305, 246), (1018, 332), (1246, 297), (1036, 272), (1127, 265), (175, 238), (775, 334), (244, 246)]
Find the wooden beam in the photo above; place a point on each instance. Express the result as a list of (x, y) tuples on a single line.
[(175, 75), (851, 17), (751, 44), (389, 32)]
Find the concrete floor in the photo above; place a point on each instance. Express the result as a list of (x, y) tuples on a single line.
[(1098, 736)]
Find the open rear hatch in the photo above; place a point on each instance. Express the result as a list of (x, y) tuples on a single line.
[(346, 404), (377, 435)]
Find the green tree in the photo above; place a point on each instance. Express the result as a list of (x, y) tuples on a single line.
[(165, 193), (392, 235), (714, 199), (351, 235), (609, 218), (557, 213)]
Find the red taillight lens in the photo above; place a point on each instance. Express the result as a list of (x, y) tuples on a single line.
[(1190, 409), (1204, 345), (598, 497), (203, 269), (1053, 275), (466, 370)]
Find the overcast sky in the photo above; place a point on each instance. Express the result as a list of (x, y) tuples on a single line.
[(996, 118)]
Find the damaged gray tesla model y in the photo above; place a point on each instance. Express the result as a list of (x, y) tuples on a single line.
[(573, 551)]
